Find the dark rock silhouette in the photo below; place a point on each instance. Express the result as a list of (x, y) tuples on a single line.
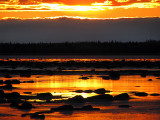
[(149, 79), (154, 94), (83, 91), (2, 94), (7, 87), (141, 94), (71, 108), (101, 91), (87, 108), (114, 76), (1, 81), (44, 96), (27, 92), (7, 82), (123, 96), (63, 107), (30, 81), (124, 106), (105, 77), (37, 116), (88, 91), (78, 91), (7, 76), (100, 98), (76, 99), (84, 78), (25, 73), (16, 82), (13, 95), (11, 82), (14, 105), (144, 74), (25, 106)]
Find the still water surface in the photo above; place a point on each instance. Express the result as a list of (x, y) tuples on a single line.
[(143, 108)]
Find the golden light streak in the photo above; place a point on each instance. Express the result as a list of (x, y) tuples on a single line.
[(52, 7), (102, 4), (121, 1), (78, 60), (59, 17)]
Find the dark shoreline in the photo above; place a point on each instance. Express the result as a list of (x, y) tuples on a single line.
[(76, 56), (150, 47)]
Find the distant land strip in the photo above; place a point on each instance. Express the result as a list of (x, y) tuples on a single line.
[(149, 47)]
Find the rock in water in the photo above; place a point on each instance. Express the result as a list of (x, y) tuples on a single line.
[(77, 98), (123, 96), (26, 106), (63, 107), (124, 106), (141, 94), (37, 116), (100, 91), (44, 96), (114, 76), (98, 98)]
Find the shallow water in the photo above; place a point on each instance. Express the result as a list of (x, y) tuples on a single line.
[(143, 108)]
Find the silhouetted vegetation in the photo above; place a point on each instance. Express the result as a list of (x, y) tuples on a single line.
[(81, 48)]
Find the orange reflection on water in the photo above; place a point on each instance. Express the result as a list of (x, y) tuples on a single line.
[(142, 107), (75, 60), (66, 84)]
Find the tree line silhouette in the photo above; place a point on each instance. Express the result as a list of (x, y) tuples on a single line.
[(82, 48)]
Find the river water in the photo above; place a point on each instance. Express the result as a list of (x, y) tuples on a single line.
[(143, 107)]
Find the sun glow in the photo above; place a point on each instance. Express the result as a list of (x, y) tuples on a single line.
[(112, 9)]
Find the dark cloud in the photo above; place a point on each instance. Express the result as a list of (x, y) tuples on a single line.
[(61, 30)]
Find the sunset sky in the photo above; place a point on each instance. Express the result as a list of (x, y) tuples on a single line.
[(25, 9)]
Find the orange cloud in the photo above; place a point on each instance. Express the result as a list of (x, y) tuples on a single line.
[(79, 2), (80, 8)]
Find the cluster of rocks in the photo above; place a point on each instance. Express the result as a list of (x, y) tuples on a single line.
[(99, 98), (70, 107), (97, 91), (16, 97), (24, 106), (14, 81), (111, 76), (9, 97), (8, 84), (40, 115)]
